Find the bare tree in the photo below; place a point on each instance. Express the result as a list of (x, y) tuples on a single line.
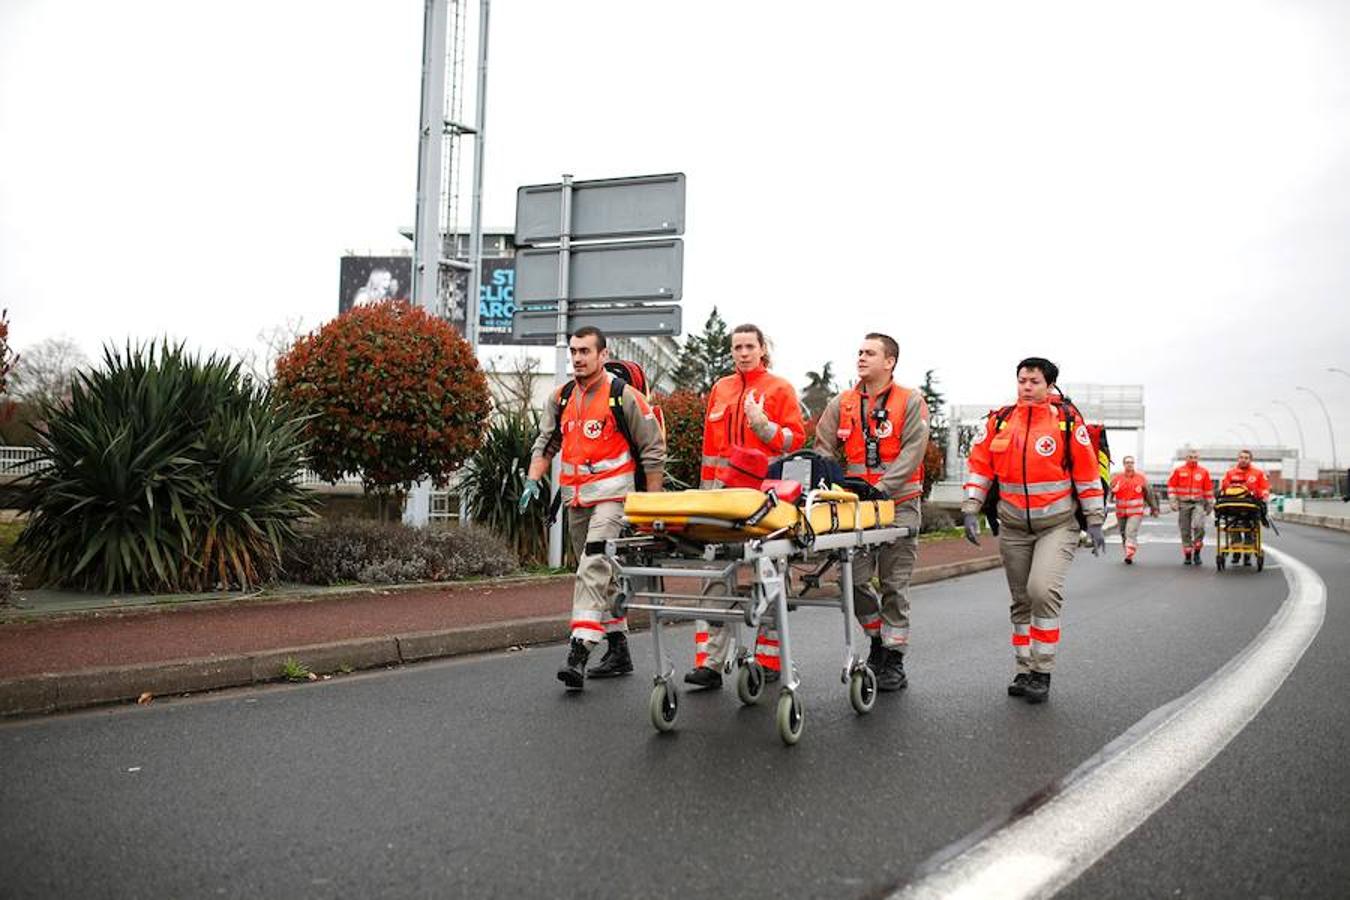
[(513, 388), (260, 360), (46, 370)]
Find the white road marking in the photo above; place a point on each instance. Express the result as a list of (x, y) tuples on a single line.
[(1133, 776)]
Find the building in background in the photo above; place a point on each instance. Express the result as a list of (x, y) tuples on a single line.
[(1281, 465)]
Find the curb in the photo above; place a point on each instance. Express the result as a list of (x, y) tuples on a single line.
[(1335, 523), (48, 692), (306, 594)]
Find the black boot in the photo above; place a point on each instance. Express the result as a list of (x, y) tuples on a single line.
[(1187, 560), (1018, 688), (573, 673), (704, 677), (616, 660), (875, 654), (1038, 687), (891, 676)]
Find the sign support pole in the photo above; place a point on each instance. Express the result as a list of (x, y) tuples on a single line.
[(562, 359)]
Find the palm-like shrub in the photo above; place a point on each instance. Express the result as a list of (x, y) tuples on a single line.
[(494, 477), (164, 472)]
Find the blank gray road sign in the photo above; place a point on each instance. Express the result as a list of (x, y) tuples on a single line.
[(606, 208), (538, 326), (640, 270)]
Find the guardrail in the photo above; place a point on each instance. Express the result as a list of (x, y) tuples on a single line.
[(17, 461)]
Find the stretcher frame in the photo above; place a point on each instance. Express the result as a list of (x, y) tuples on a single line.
[(642, 563), (1238, 534)]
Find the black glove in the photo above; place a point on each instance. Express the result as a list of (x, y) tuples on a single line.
[(972, 526), (1098, 539)]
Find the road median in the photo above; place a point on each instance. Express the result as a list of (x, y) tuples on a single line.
[(61, 671)]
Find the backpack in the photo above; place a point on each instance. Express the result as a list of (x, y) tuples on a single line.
[(809, 468), (626, 373), (1100, 446)]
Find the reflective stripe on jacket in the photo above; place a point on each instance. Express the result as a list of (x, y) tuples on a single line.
[(725, 424), (1131, 493), (1252, 478), (1190, 482), (1026, 455), (597, 464), (858, 420)]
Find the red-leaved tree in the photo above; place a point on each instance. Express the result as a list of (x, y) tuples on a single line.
[(684, 411), (396, 396)]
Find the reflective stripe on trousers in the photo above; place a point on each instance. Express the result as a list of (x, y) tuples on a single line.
[(766, 649)]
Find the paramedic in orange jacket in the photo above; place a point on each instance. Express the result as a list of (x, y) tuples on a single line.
[(749, 408), (1190, 491), (882, 429), (1247, 475), (598, 471), (1044, 475), (1133, 494)]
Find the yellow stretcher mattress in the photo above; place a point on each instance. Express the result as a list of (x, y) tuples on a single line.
[(713, 515)]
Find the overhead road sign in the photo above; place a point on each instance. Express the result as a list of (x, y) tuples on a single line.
[(603, 209), (636, 270), (540, 325)]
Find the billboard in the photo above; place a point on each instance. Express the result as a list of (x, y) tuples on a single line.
[(370, 279), (496, 301)]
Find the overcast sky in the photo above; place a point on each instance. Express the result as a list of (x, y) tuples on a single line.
[(1151, 193)]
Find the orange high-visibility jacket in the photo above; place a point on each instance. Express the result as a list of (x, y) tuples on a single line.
[(1133, 495), (597, 464), (1251, 477), (1026, 454), (1191, 482), (858, 420), (725, 424)]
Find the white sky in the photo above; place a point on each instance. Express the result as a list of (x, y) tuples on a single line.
[(1145, 192)]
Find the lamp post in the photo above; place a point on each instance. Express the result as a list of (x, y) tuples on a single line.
[(1341, 371), (1335, 466), (1248, 426), (1302, 446), (1273, 429)]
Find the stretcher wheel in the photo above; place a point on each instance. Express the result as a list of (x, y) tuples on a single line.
[(750, 683), (862, 690), (790, 717), (664, 706)]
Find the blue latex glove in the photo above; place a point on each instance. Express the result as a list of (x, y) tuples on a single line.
[(972, 526), (529, 493), (1098, 539)]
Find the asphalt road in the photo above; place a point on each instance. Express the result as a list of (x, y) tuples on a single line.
[(481, 778)]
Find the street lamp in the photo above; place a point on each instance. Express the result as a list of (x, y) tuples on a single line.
[(1302, 447), (1249, 427), (1342, 371), (1335, 466)]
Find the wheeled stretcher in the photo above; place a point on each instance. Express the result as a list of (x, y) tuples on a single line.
[(740, 547), (1238, 516)]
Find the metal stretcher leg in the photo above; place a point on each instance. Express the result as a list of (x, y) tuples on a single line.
[(861, 680), (664, 705)]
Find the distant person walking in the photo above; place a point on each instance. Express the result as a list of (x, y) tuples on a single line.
[(1190, 493), (1133, 494)]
